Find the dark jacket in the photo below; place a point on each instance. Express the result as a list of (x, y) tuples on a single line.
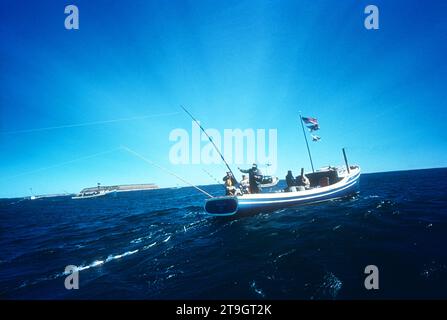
[(254, 178), (254, 175), (290, 179)]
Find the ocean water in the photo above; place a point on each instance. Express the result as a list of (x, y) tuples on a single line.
[(160, 245)]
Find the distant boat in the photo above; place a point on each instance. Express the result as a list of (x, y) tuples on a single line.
[(33, 196), (325, 184), (44, 196), (92, 194), (268, 181), (99, 191)]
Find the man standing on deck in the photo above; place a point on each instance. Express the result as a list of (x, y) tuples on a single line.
[(245, 184), (254, 178), (290, 180), (302, 180)]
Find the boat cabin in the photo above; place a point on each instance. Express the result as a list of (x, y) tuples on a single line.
[(323, 178)]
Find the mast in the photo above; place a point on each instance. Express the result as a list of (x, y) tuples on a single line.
[(307, 144), (346, 160)]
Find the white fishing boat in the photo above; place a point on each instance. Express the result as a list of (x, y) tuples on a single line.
[(325, 184), (89, 195)]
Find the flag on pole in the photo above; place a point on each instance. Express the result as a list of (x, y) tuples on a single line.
[(312, 122), (308, 120), (313, 127)]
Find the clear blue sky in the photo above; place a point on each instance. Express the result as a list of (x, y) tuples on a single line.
[(236, 64)]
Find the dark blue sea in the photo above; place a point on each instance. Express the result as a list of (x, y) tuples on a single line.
[(160, 245)]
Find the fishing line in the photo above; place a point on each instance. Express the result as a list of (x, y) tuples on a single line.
[(164, 169), (212, 177), (62, 163), (85, 124)]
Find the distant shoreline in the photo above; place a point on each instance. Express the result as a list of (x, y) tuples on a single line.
[(158, 188)]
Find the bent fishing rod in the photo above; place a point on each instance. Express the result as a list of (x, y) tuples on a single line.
[(211, 140)]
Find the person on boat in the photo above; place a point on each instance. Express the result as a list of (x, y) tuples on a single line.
[(245, 184), (290, 179), (302, 180), (230, 184), (254, 178)]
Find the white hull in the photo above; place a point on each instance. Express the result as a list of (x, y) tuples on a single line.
[(100, 194), (226, 206)]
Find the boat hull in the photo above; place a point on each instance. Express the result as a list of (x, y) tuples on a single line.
[(97, 195), (228, 206)]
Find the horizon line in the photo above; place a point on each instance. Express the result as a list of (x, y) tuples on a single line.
[(211, 184)]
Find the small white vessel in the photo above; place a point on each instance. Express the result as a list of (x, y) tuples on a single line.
[(89, 193), (93, 194), (269, 181)]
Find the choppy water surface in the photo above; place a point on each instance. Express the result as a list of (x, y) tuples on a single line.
[(160, 245)]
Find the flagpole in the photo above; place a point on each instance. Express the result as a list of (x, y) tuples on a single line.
[(307, 144)]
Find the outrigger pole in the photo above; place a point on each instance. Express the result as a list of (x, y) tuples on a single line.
[(307, 144), (211, 140)]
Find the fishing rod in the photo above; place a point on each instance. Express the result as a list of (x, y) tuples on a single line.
[(164, 169), (211, 140)]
